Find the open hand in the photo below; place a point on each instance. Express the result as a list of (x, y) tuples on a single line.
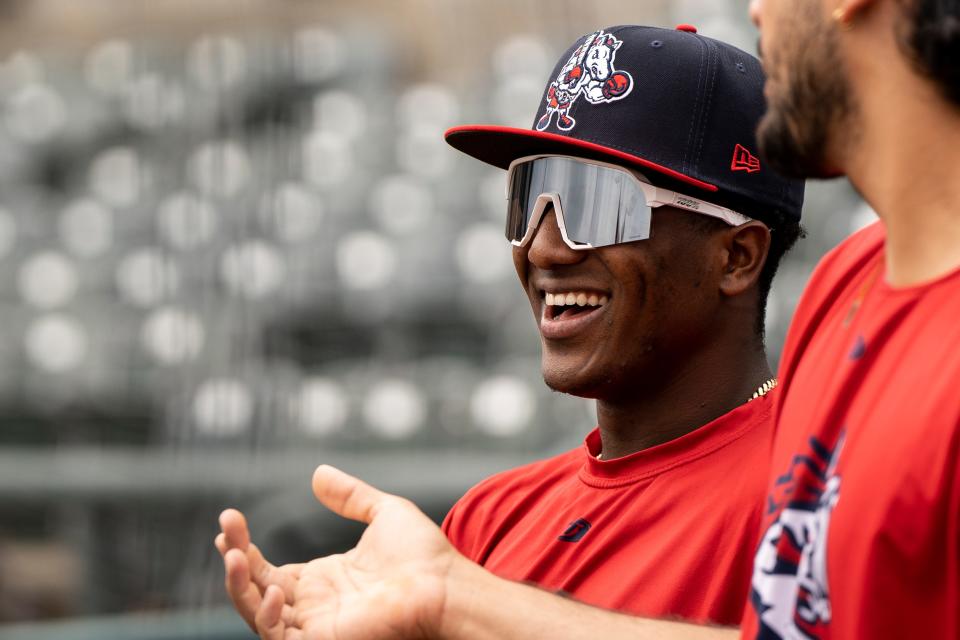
[(391, 585)]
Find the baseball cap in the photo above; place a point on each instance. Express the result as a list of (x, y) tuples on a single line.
[(678, 107)]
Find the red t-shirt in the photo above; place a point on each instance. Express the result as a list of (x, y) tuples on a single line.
[(862, 529), (668, 531)]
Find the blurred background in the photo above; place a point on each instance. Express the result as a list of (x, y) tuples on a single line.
[(234, 245)]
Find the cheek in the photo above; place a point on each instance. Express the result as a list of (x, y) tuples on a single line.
[(520, 264), (770, 22), (633, 327), (755, 10), (679, 297), (783, 25)]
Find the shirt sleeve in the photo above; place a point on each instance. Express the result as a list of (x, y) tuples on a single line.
[(468, 518), (458, 527), (448, 522)]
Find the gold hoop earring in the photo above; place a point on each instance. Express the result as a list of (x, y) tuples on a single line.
[(841, 17)]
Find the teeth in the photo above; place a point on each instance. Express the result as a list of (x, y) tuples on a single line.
[(581, 299)]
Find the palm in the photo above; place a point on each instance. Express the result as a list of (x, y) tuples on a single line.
[(391, 585), (396, 572)]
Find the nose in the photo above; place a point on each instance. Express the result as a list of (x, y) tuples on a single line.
[(547, 248), (754, 12)]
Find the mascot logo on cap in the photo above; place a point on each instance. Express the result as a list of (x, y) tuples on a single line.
[(589, 72)]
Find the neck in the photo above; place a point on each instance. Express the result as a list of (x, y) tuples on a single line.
[(905, 161), (649, 415)]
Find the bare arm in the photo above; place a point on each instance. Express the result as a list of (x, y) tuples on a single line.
[(481, 606), (405, 580)]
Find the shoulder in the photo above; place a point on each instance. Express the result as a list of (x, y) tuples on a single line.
[(837, 277), (858, 253), (493, 500), (749, 444), (522, 479)]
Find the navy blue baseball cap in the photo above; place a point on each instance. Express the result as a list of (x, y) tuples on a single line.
[(678, 107)]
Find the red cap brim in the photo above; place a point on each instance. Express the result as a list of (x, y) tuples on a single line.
[(500, 146)]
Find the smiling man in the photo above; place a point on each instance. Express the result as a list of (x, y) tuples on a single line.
[(862, 518), (646, 235)]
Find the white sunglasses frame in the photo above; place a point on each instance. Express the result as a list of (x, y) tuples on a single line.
[(655, 196)]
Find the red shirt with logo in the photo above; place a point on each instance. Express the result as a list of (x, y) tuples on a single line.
[(862, 525), (668, 531)]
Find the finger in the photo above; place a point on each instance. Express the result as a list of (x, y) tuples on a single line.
[(220, 542), (235, 531), (270, 624), (261, 571), (345, 495), (264, 573), (244, 594), (289, 616)]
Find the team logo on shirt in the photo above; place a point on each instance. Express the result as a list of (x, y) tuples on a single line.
[(790, 590), (575, 531), (589, 73)]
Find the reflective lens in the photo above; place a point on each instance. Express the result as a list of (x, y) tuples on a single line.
[(599, 205)]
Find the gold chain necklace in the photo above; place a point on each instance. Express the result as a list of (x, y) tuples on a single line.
[(764, 389), (761, 391)]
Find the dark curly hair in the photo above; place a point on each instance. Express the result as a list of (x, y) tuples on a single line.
[(782, 239), (930, 37)]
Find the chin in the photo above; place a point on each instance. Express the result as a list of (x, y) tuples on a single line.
[(795, 147), (590, 378), (571, 380)]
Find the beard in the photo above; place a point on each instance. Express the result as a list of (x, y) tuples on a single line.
[(809, 100)]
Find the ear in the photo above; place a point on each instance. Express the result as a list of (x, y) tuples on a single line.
[(746, 248)]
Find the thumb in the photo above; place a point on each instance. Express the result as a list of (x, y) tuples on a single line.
[(347, 496)]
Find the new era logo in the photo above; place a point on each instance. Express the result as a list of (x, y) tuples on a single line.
[(743, 160), (576, 530)]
